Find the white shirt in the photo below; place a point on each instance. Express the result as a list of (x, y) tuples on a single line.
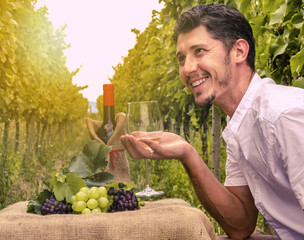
[(265, 150)]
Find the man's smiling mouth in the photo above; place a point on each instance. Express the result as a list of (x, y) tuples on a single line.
[(198, 82)]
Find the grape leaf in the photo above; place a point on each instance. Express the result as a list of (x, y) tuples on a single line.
[(61, 191), (297, 62), (91, 149), (34, 206), (105, 177), (64, 186), (81, 165), (299, 82), (91, 161), (75, 183), (277, 16), (60, 177)]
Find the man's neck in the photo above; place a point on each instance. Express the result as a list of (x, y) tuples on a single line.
[(238, 89)]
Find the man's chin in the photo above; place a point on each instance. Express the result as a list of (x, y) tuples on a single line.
[(201, 104), (204, 102)]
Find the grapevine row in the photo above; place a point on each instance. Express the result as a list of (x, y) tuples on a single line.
[(35, 84)]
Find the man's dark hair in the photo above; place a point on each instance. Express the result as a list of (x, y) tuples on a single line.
[(224, 23)]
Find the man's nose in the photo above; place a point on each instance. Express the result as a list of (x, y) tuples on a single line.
[(190, 66)]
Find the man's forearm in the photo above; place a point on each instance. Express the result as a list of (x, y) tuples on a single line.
[(236, 216)]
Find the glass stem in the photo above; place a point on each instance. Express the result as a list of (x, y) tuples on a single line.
[(147, 172)]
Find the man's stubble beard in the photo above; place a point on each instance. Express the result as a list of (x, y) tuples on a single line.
[(222, 83)]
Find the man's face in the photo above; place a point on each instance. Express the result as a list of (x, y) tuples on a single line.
[(204, 66)]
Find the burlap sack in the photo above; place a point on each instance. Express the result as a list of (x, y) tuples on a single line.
[(172, 219), (118, 163)]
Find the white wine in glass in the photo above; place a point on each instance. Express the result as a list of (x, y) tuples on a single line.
[(144, 121)]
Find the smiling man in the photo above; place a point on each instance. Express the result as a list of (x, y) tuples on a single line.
[(264, 132)]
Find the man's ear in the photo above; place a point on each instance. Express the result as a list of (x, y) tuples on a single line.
[(241, 48)]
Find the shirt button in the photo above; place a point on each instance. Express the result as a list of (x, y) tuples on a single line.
[(256, 177)]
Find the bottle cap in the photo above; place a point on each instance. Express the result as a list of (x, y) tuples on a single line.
[(108, 95), (108, 87)]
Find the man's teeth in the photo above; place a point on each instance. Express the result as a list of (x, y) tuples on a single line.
[(196, 83)]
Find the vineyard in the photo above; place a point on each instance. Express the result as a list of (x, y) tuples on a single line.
[(42, 112), (39, 105)]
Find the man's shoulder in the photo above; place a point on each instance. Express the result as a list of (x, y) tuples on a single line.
[(276, 98)]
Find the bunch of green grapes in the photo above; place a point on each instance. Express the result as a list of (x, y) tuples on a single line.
[(90, 200)]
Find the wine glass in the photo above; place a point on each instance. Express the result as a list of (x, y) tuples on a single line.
[(144, 121)]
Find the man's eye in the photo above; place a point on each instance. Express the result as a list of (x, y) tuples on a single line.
[(198, 50), (181, 60)]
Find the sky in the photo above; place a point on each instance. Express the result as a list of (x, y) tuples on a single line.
[(99, 32)]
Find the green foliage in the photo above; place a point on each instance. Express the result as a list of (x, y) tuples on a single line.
[(278, 30), (34, 78), (35, 84), (34, 206), (23, 177), (177, 181), (64, 186), (90, 162), (10, 166), (299, 82)]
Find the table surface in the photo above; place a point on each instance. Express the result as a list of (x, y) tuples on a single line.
[(161, 219)]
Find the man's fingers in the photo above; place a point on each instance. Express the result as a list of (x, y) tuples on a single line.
[(135, 149)]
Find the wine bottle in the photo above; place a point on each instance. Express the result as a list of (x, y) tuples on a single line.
[(108, 125)]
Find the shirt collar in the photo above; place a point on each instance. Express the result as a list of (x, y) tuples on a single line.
[(235, 121)]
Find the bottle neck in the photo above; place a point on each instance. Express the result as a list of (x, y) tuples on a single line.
[(108, 113), (108, 105), (108, 97)]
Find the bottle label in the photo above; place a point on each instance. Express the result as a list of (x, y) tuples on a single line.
[(109, 130)]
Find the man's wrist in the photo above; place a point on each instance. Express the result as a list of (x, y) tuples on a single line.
[(189, 155)]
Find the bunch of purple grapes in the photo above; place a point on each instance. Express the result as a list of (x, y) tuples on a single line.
[(52, 206), (123, 200)]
